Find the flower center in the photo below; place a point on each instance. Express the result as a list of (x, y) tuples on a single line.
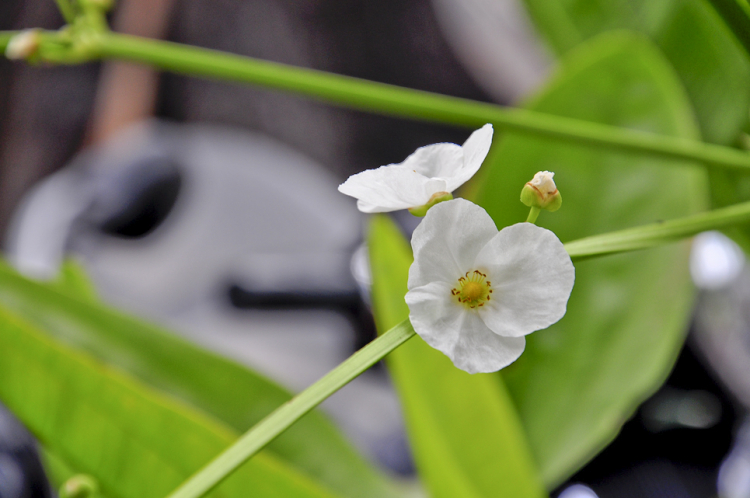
[(473, 289)]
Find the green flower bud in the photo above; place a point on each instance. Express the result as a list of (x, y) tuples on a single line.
[(23, 45), (541, 192), (436, 198), (80, 486)]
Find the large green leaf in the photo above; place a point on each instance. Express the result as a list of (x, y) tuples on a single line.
[(464, 432), (135, 441), (709, 60), (227, 391), (579, 380)]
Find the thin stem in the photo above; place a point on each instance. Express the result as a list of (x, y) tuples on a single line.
[(657, 233), (277, 422), (533, 214), (67, 10), (398, 101), (5, 37)]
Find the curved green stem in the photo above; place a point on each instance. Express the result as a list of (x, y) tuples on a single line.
[(398, 101), (533, 214), (659, 233), (5, 37), (66, 10), (277, 422)]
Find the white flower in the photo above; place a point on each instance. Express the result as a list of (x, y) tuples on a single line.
[(474, 292), (433, 170)]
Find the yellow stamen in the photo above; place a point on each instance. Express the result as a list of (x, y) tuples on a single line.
[(473, 289)]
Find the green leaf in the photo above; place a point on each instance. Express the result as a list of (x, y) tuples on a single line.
[(578, 381), (135, 441), (58, 470), (464, 432), (219, 387), (73, 279), (708, 58)]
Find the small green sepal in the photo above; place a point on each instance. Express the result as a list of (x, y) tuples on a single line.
[(436, 198)]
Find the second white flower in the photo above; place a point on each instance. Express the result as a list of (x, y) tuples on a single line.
[(435, 169), (474, 292)]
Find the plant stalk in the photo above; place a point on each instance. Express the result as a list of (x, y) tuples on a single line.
[(398, 101), (287, 414), (658, 233)]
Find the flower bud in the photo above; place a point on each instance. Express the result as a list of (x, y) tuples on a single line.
[(23, 45), (436, 198), (541, 192), (80, 486)]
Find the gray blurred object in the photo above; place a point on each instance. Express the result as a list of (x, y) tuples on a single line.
[(231, 239), (734, 474), (721, 330), (722, 314), (496, 42), (21, 473)]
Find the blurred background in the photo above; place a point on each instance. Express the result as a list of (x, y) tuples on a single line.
[(212, 209)]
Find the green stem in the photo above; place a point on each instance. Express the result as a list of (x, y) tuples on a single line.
[(398, 101), (533, 214), (277, 422), (67, 10), (659, 233), (5, 37)]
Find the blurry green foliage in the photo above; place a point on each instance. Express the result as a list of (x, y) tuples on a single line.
[(136, 442), (707, 57), (67, 310)]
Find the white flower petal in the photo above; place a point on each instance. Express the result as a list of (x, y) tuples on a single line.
[(436, 161), (390, 188), (429, 170), (532, 277), (457, 332), (475, 150), (479, 350), (447, 241)]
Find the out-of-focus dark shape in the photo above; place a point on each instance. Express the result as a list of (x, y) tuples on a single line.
[(147, 193), (674, 445), (21, 474)]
